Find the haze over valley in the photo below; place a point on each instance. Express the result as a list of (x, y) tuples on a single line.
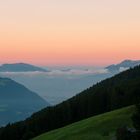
[(57, 84)]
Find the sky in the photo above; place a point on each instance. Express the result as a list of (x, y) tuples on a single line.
[(69, 32)]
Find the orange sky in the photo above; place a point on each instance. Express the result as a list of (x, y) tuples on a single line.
[(76, 32)]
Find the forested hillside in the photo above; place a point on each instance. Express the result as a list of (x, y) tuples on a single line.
[(100, 127), (118, 91)]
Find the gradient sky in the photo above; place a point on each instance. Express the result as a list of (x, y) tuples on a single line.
[(69, 32)]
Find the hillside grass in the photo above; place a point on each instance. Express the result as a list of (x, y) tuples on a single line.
[(101, 127)]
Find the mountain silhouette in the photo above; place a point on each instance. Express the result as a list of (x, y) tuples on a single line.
[(20, 67), (17, 102), (126, 64)]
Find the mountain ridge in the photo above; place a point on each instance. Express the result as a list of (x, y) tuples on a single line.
[(20, 67), (17, 101), (124, 65)]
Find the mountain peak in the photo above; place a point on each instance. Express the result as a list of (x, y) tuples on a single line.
[(126, 64), (126, 61), (130, 61), (20, 67)]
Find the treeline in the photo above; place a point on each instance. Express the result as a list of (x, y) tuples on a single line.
[(133, 133), (116, 92)]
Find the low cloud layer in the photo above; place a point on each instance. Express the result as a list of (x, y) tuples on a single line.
[(67, 72)]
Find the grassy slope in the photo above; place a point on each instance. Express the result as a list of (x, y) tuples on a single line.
[(94, 128)]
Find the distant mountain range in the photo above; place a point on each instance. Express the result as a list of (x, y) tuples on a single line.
[(17, 102), (124, 65), (20, 67)]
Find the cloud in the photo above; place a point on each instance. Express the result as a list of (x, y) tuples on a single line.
[(123, 69), (56, 73)]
